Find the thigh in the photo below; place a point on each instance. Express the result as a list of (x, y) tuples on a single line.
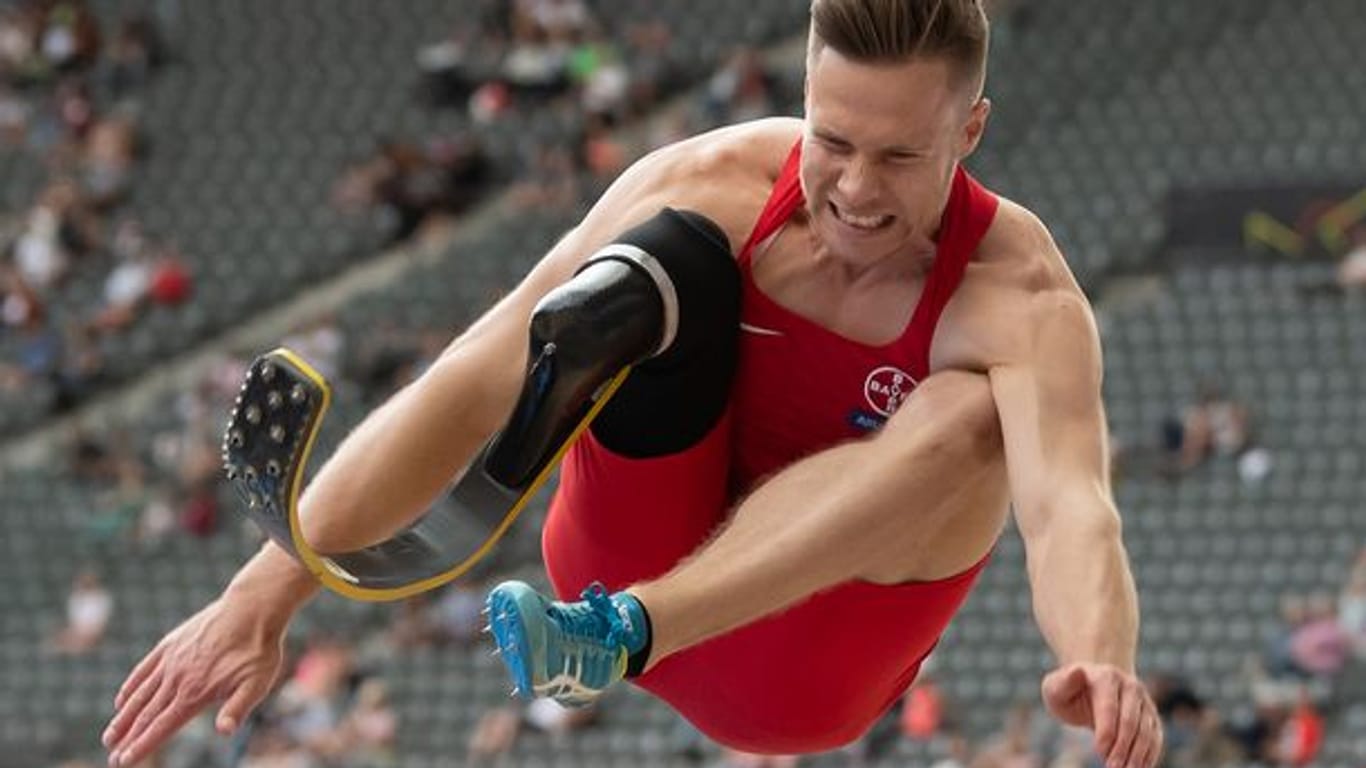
[(816, 676), (620, 519), (951, 427)]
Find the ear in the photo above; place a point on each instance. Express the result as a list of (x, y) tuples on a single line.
[(974, 127)]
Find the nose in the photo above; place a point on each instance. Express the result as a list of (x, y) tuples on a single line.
[(857, 183)]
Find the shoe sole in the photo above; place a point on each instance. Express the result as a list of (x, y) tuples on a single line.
[(514, 645)]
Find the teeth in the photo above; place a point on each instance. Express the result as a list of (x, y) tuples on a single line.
[(862, 222)]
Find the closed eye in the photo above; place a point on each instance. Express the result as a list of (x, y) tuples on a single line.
[(834, 144)]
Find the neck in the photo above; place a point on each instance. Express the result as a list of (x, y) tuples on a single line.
[(911, 262)]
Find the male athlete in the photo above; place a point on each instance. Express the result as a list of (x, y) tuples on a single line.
[(775, 518)]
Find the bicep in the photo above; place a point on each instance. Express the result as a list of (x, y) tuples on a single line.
[(1052, 416)]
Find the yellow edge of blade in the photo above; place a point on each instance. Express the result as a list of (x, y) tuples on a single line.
[(321, 567)]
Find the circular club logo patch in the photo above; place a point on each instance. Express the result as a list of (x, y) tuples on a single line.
[(886, 387)]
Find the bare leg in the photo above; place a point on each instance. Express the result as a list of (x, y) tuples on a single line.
[(922, 499)]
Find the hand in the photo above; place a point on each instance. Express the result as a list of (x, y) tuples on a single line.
[(226, 652), (1114, 704)]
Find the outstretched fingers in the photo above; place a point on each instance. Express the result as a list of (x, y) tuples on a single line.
[(134, 701), (149, 735)]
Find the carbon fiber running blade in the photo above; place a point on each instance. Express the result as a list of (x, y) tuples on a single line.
[(266, 447)]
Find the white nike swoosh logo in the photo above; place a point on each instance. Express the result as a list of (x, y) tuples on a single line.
[(760, 331)]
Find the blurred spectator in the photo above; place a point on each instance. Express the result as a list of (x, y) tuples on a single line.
[(414, 626), (603, 154), (92, 459), (156, 520), (649, 64), (20, 306), (922, 714), (369, 729), (321, 343), (497, 730), (557, 19), (1352, 268), (550, 717), (1013, 747), (1319, 646), (14, 117), (1194, 733), (89, 606), (551, 183), (79, 370), (70, 39), (171, 283), (309, 702), (1352, 606), (444, 79), (535, 63), (199, 514), (489, 102), (40, 254), (124, 291), (959, 752), (596, 68), (19, 27), (458, 613), (107, 162), (741, 90), (1301, 736), (271, 747), (1215, 425), (408, 183), (136, 51), (1076, 749), (494, 734), (1257, 736)]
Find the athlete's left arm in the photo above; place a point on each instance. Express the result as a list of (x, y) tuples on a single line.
[(1048, 396)]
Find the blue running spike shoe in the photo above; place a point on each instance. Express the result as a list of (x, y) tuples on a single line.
[(570, 652)]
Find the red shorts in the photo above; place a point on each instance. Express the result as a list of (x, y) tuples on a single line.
[(811, 678)]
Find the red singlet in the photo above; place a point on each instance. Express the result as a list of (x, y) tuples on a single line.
[(817, 675)]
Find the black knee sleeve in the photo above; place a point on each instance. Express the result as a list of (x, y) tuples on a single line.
[(673, 399)]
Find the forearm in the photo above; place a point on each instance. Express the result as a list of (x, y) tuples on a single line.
[(274, 583), (1084, 596), (389, 470)]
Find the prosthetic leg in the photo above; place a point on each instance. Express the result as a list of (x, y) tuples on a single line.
[(623, 310)]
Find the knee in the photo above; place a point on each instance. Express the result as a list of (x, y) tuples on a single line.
[(957, 410)]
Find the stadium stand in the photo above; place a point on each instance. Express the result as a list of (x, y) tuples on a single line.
[(1101, 110)]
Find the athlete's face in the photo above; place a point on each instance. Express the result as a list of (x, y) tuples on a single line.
[(879, 151)]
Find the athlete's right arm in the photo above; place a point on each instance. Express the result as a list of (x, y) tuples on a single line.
[(381, 478)]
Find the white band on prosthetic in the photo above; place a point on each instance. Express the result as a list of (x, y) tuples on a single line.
[(667, 294)]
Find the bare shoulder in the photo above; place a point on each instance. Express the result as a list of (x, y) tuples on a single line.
[(725, 174), (1017, 287), (1020, 251)]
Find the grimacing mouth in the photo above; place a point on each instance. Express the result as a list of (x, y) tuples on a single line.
[(865, 223)]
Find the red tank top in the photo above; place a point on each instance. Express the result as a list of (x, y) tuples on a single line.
[(801, 386)]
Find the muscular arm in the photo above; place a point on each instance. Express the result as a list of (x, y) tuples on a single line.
[(1053, 422)]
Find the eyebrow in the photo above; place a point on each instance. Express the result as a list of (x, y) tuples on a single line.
[(898, 149)]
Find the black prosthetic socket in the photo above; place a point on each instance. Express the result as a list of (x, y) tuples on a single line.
[(609, 316), (664, 298), (672, 400)]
